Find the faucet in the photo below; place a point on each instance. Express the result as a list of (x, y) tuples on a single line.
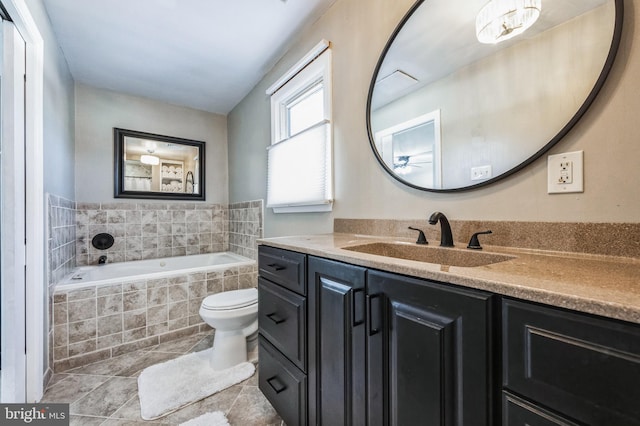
[(474, 243), (446, 238), (421, 238), (102, 260)]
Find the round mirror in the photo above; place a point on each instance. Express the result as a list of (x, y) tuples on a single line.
[(468, 92)]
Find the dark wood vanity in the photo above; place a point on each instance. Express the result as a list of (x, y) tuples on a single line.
[(342, 344)]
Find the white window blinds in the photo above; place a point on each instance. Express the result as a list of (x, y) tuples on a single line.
[(298, 167)]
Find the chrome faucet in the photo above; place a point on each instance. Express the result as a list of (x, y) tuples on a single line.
[(102, 260), (446, 237)]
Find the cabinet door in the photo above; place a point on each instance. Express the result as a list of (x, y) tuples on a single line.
[(429, 353), (583, 366), (283, 384), (336, 343), (282, 319), (283, 267), (518, 412)]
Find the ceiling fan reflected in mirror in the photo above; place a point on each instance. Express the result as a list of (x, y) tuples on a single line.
[(404, 164)]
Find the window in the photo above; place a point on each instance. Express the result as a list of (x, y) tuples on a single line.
[(299, 176)]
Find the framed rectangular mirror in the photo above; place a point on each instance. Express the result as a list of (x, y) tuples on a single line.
[(154, 166)]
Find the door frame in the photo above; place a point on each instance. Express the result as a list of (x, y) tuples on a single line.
[(35, 291), (13, 215)]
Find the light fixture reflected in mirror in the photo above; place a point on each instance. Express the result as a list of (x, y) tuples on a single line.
[(150, 159), (500, 20)]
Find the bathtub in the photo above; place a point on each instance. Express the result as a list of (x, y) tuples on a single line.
[(107, 310), (99, 275)]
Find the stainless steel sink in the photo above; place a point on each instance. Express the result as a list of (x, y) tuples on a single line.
[(431, 254)]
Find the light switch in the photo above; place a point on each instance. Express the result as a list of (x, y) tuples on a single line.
[(564, 173)]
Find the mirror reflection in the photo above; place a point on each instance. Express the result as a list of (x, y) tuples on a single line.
[(156, 166), (458, 101)]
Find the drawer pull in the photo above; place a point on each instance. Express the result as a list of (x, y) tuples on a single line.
[(276, 384), (276, 267), (374, 314), (275, 318)]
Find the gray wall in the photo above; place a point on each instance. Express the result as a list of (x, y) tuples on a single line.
[(98, 111), (358, 30), (58, 110)]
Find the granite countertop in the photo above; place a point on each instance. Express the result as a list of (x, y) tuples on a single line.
[(603, 285)]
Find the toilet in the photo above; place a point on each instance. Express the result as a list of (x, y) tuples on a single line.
[(234, 316)]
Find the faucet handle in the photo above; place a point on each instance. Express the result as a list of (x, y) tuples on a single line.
[(474, 243), (421, 238)]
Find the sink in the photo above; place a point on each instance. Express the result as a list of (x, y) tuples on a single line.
[(430, 254)]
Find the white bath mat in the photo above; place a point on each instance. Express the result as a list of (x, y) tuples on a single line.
[(166, 387), (216, 418)]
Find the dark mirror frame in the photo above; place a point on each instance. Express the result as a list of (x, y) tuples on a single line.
[(118, 161), (615, 43)]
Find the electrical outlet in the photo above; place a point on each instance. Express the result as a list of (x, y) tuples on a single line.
[(480, 173), (564, 173)]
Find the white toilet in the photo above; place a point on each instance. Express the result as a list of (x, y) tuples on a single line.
[(234, 315)]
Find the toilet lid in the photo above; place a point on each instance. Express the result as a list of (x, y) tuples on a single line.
[(231, 299)]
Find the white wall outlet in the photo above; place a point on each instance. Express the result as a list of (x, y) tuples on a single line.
[(564, 173), (481, 172)]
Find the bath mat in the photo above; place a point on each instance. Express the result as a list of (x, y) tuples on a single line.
[(166, 387), (216, 418)]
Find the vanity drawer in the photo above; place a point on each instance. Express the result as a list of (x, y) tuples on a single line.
[(518, 412), (582, 366), (282, 318), (283, 384), (283, 267)]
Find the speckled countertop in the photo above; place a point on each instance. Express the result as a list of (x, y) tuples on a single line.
[(603, 285)]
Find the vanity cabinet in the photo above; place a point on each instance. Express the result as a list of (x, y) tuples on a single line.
[(583, 367), (282, 326), (342, 344), (429, 356)]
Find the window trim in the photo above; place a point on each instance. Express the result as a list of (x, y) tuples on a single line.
[(319, 69)]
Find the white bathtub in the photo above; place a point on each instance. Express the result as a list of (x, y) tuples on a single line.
[(98, 275)]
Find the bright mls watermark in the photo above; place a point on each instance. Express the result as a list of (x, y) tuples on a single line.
[(34, 414)]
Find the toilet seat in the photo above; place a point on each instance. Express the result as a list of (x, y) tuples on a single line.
[(229, 300)]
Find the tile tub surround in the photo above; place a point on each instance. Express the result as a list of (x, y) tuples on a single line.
[(96, 323), (150, 230), (61, 237), (595, 284), (61, 256), (245, 227), (610, 239)]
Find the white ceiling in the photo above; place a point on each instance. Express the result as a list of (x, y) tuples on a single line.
[(205, 54)]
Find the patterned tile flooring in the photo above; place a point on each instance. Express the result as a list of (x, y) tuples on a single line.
[(106, 393)]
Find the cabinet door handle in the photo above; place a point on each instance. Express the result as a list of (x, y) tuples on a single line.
[(275, 318), (276, 384), (373, 317), (358, 306), (276, 267)]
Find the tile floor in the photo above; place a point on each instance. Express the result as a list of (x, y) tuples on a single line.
[(106, 392)]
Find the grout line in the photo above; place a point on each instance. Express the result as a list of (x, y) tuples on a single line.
[(119, 408)]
